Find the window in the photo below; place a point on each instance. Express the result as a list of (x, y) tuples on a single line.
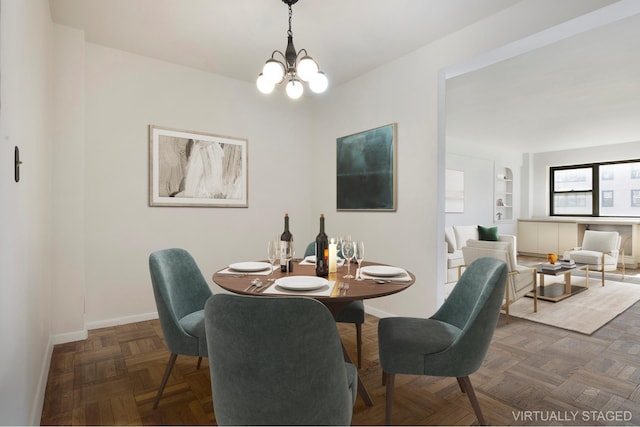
[(572, 190), (598, 189)]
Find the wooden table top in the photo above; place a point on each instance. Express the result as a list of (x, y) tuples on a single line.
[(358, 289)]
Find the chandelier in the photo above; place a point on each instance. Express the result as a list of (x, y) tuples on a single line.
[(294, 67)]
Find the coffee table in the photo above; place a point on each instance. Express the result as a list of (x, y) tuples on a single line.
[(558, 291)]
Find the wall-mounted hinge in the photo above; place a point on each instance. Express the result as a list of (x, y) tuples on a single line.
[(17, 163)]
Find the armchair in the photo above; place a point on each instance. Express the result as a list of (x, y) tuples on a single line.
[(521, 279), (600, 250)]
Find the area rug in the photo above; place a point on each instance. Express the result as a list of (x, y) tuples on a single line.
[(585, 312)]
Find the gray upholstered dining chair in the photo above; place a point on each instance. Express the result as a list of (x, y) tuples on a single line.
[(277, 361), (352, 313), (451, 343), (180, 291)]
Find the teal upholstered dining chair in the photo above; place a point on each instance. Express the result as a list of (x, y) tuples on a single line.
[(277, 361), (454, 341), (352, 313), (180, 292)]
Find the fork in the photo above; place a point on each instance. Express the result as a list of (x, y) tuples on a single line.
[(342, 288), (254, 282), (257, 285)]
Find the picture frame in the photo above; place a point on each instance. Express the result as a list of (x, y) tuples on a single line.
[(454, 191), (188, 168), (366, 169)]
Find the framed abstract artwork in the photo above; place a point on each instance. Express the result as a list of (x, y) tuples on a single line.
[(196, 169), (366, 170)]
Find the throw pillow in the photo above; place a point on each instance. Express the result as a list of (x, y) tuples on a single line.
[(488, 233)]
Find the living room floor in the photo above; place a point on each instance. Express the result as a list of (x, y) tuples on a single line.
[(533, 375)]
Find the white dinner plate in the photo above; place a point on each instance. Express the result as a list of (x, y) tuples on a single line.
[(310, 258), (301, 283), (382, 271), (249, 266)]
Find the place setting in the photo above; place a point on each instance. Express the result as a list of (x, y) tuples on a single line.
[(245, 268), (383, 274), (301, 285)]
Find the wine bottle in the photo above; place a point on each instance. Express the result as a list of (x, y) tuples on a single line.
[(286, 240), (322, 251)]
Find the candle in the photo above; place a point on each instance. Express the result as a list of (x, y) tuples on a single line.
[(333, 255)]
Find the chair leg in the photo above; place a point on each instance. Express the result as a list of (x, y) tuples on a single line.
[(535, 291), (506, 310), (465, 383), (461, 384), (389, 379), (359, 343), (167, 372), (199, 362)]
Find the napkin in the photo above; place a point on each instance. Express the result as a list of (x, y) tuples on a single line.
[(274, 289), (232, 272), (404, 277)]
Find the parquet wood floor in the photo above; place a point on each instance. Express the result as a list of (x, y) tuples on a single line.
[(533, 375)]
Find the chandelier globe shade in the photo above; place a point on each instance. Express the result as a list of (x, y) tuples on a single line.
[(294, 88), (264, 84), (307, 68), (273, 71), (293, 66), (319, 82)]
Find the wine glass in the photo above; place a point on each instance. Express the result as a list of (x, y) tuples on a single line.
[(359, 255), (338, 246), (348, 250), (272, 253)]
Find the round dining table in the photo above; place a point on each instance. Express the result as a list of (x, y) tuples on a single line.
[(344, 291)]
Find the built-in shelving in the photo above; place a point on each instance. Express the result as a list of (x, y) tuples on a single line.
[(503, 195)]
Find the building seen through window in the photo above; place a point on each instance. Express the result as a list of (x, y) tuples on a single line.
[(599, 189)]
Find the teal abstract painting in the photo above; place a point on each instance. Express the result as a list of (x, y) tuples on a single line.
[(366, 170)]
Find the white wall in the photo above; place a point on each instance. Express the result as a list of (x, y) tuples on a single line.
[(478, 190), (479, 180), (539, 174), (125, 93), (68, 269), (25, 229)]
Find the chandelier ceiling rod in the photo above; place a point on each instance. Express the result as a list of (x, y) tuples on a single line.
[(295, 67)]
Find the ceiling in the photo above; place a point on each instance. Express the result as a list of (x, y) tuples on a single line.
[(578, 92), (234, 38)]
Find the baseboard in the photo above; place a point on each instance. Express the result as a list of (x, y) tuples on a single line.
[(38, 401), (69, 337), (121, 320), (380, 314)]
